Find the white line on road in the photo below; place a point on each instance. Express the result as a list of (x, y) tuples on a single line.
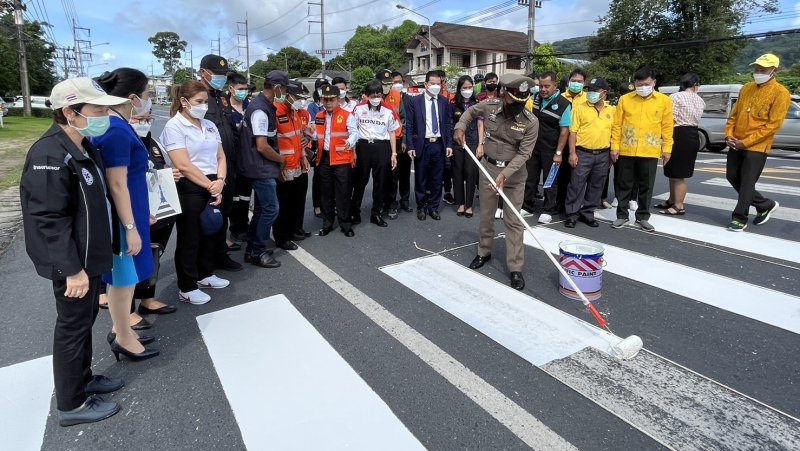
[(721, 203), (764, 187), (289, 389), (713, 160), (524, 425), (25, 392)]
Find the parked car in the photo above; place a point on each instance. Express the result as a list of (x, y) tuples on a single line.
[(719, 103), (36, 102)]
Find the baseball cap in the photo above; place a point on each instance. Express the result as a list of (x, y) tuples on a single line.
[(210, 220), (215, 64), (767, 60), (517, 86), (330, 91), (296, 89), (73, 91), (278, 77), (598, 83)]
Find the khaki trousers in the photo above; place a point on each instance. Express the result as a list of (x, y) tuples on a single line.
[(514, 189)]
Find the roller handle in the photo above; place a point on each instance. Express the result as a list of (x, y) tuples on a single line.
[(597, 316)]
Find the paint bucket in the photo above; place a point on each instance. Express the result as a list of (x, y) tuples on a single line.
[(584, 263)]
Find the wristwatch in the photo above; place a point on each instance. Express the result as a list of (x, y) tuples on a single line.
[(558, 152), (130, 226)]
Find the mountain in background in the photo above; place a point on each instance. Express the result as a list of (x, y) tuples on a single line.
[(579, 44)]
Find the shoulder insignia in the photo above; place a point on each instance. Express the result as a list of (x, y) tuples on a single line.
[(529, 115)]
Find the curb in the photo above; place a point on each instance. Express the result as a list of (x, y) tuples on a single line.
[(10, 216)]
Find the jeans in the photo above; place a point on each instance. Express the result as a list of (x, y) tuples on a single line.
[(265, 210)]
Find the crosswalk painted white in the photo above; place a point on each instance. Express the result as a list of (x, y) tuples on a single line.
[(762, 187), (289, 389), (725, 204), (26, 390)]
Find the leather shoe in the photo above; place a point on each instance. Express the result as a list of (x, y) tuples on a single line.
[(163, 310), (517, 282), (479, 261), (435, 215), (101, 384), (93, 410), (229, 264), (421, 215), (590, 223), (265, 260), (288, 246), (142, 325), (406, 208), (349, 233), (143, 339), (378, 221), (325, 231), (570, 223)]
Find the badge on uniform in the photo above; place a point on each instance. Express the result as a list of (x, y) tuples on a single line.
[(339, 119), (554, 107), (87, 176), (319, 121)]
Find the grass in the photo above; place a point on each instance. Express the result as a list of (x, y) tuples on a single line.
[(16, 137)]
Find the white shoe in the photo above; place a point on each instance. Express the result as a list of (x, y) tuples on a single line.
[(544, 218), (606, 205), (633, 206), (194, 297), (525, 213), (614, 203), (213, 281), (498, 214)]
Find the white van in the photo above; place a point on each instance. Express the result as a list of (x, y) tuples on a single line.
[(719, 103), (36, 102)]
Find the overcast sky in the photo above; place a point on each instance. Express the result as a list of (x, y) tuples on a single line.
[(125, 25)]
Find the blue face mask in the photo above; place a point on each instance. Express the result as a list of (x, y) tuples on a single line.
[(575, 87), (218, 82), (593, 97)]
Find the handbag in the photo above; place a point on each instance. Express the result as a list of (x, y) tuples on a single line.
[(157, 251)]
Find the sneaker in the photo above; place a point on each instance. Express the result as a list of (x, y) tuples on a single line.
[(606, 205), (633, 205), (763, 217), (213, 281), (619, 223), (448, 198), (194, 297), (544, 218), (737, 226), (645, 225), (498, 214), (525, 213), (614, 203)]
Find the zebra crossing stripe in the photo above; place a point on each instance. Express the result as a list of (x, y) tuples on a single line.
[(763, 187), (25, 392), (725, 204)]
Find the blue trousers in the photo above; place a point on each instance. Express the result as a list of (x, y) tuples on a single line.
[(428, 174), (265, 211)]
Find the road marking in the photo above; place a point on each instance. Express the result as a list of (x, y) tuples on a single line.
[(763, 174), (713, 161), (289, 389), (520, 422), (26, 390), (764, 187), (789, 167), (761, 304), (721, 203)]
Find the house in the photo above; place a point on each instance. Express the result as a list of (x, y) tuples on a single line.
[(159, 87), (309, 81), (476, 49)]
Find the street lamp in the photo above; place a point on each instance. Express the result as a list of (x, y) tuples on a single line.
[(430, 34), (284, 55)]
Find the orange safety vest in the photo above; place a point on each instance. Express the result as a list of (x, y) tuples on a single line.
[(290, 126), (394, 100), (339, 135)]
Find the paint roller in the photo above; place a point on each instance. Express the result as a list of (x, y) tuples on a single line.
[(627, 348)]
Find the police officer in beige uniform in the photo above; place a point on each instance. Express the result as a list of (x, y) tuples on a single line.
[(511, 133)]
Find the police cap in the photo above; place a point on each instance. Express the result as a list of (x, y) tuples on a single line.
[(215, 64), (385, 76), (329, 91), (278, 77), (517, 86), (295, 88)]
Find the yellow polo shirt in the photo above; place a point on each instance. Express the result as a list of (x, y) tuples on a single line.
[(574, 97), (642, 126), (592, 128), (758, 114)]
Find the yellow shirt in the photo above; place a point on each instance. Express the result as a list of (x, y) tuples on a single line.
[(592, 128), (574, 97), (642, 126), (758, 114)]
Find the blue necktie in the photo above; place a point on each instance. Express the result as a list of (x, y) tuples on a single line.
[(434, 118)]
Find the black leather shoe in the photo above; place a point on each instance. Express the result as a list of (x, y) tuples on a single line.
[(288, 246), (590, 223), (164, 310), (93, 410), (406, 208), (265, 260), (378, 221), (355, 219), (349, 233), (421, 215), (479, 261), (229, 264), (392, 214), (142, 325), (435, 215), (517, 282), (101, 384), (570, 223), (143, 339), (116, 349), (325, 231)]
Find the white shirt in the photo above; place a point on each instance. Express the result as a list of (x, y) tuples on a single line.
[(429, 120), (260, 122), (375, 124), (348, 105), (201, 142), (352, 129)]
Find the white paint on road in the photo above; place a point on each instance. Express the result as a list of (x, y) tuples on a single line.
[(289, 389), (725, 204), (713, 160), (527, 427), (26, 390), (763, 187)]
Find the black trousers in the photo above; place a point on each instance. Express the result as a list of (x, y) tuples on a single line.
[(194, 253), (315, 185), (291, 208), (399, 183), (538, 166), (742, 171), (465, 176), (72, 343), (335, 192), (374, 158), (635, 175), (447, 178), (240, 206), (159, 234)]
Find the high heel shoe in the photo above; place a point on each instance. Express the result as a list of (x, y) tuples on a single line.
[(143, 339), (144, 355), (468, 214), (459, 213)]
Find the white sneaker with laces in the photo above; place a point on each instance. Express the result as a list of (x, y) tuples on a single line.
[(194, 297), (498, 214), (633, 205), (525, 213), (544, 218), (213, 281), (614, 203)]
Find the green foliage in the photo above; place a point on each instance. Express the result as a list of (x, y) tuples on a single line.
[(181, 76), (40, 54), (167, 47), (361, 76), (35, 112), (579, 44), (786, 46), (378, 48), (788, 79), (452, 73), (300, 63), (543, 62)]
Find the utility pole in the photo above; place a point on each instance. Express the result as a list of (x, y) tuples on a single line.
[(321, 52), (218, 45), (80, 44), (532, 5), (246, 44), (190, 60), (23, 59)]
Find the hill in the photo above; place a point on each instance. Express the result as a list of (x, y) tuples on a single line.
[(786, 46), (579, 44)]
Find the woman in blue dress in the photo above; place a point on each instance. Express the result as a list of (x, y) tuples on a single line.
[(125, 160)]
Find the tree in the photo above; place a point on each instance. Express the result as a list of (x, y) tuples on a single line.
[(181, 76), (299, 63), (452, 74), (167, 47), (39, 52), (361, 76), (543, 61), (378, 48)]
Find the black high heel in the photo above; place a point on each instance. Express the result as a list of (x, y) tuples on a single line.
[(143, 339), (144, 355), (468, 214)]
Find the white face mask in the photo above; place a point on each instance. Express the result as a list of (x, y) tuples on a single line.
[(375, 101), (198, 111), (760, 79), (299, 104), (644, 91), (144, 106), (434, 89), (467, 93), (343, 94), (142, 128), (397, 86)]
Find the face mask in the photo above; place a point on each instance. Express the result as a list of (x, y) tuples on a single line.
[(198, 111), (760, 79), (467, 93), (593, 97), (575, 87), (280, 99), (434, 89), (644, 91), (397, 86), (142, 128), (491, 87), (515, 108), (95, 125), (218, 82), (240, 95), (375, 101), (299, 104), (144, 108), (343, 95), (534, 89)]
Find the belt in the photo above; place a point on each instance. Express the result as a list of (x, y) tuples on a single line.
[(433, 140), (370, 141), (593, 151), (498, 163)]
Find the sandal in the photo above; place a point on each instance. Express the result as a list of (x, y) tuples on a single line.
[(673, 211), (665, 205)]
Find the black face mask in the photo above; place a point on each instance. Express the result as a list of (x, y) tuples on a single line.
[(491, 87), (514, 108)]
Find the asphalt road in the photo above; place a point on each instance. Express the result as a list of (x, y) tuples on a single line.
[(428, 359)]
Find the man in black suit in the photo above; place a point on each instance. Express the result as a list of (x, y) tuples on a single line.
[(429, 137)]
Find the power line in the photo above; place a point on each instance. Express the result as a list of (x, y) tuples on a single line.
[(280, 16)]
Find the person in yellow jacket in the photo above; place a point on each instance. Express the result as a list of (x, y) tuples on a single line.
[(756, 118), (640, 134)]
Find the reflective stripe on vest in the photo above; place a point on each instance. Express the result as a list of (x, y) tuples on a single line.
[(289, 132)]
